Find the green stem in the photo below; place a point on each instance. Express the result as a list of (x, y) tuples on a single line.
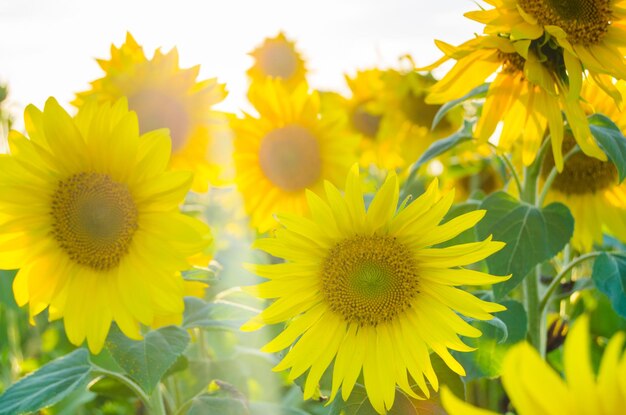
[(536, 334), (557, 280), (509, 167), (13, 338), (157, 407), (98, 371), (553, 173)]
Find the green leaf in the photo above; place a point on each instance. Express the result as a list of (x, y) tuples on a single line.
[(532, 235), (611, 140), (214, 315), (208, 404), (486, 360), (48, 385), (478, 92), (266, 408), (358, 404), (6, 288), (609, 275), (445, 144), (147, 360)]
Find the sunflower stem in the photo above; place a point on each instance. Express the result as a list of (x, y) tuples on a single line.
[(99, 371), (157, 406), (554, 284), (553, 173), (535, 315)]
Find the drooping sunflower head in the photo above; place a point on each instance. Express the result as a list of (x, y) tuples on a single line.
[(165, 96), (278, 58), (535, 388), (365, 288), (90, 217), (285, 150), (588, 186)]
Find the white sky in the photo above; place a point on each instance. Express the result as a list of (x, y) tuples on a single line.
[(47, 47)]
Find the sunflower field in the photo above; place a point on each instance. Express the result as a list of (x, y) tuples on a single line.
[(442, 237)]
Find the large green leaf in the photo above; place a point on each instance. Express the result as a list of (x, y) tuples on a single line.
[(208, 404), (491, 347), (532, 235), (48, 385), (214, 315), (611, 140), (146, 361), (265, 408), (609, 275)]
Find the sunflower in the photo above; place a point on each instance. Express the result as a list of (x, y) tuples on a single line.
[(590, 187), (165, 96), (367, 290), (534, 387), (591, 34), (278, 58), (90, 217), (525, 95), (408, 118), (363, 113), (286, 150)]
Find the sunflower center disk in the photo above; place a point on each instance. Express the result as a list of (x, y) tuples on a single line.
[(585, 21), (278, 60), (369, 279), (419, 112), (94, 219), (365, 122), (158, 110), (290, 158), (581, 174)]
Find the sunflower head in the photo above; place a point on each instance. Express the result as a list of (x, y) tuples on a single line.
[(165, 96), (278, 58), (366, 289), (101, 238), (535, 388), (285, 150)]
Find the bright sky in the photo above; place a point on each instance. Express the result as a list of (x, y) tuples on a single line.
[(47, 48)]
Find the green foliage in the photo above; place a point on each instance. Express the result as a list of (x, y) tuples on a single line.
[(214, 315), (609, 276), (441, 146), (532, 235), (147, 360), (207, 404), (611, 140), (478, 92), (491, 347), (48, 385)]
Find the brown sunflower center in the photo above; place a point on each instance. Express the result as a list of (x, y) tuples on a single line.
[(365, 122), (278, 60), (512, 63), (417, 111), (290, 157), (94, 219), (585, 21), (369, 279), (581, 174), (158, 110)]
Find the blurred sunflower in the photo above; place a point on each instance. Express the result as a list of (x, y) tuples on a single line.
[(590, 187), (90, 217), (286, 150), (590, 33), (408, 118), (534, 387), (367, 290), (363, 113), (525, 95), (165, 96), (278, 58)]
